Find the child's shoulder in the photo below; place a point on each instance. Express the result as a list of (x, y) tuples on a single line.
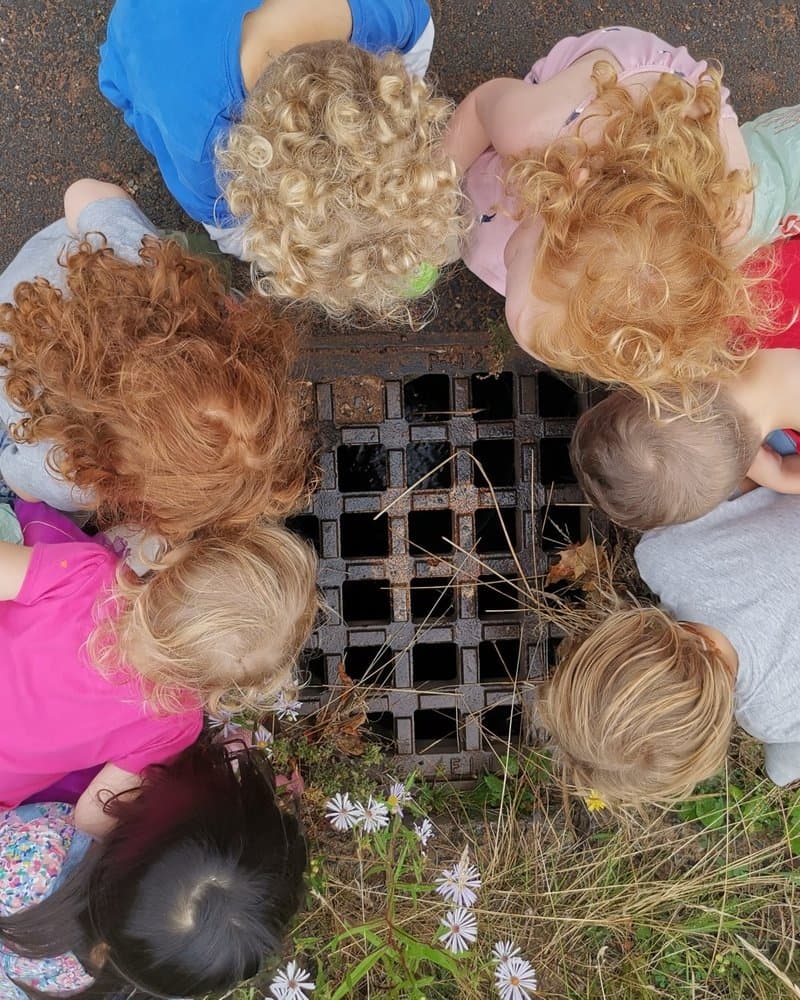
[(68, 570)]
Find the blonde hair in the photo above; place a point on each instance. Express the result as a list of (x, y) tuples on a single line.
[(645, 471), (337, 173), (221, 620), (642, 710), (634, 258)]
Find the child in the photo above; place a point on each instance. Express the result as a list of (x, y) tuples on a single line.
[(644, 707), (134, 386), (103, 667), (295, 133), (188, 895), (616, 201)]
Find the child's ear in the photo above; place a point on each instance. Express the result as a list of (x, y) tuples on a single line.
[(99, 954)]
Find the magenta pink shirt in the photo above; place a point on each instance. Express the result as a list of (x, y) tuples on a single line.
[(57, 712)]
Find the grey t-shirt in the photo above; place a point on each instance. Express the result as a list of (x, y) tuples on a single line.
[(738, 570), (123, 225)]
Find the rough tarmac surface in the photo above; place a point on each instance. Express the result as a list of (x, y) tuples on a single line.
[(55, 126)]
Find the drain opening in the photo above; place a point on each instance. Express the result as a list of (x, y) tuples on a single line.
[(553, 654), (311, 668), (503, 722), (366, 602), (498, 599), (308, 527), (431, 602), (427, 399), (556, 397), (436, 730), (493, 396), (561, 525), (434, 662), (382, 730), (422, 457), (500, 661), (428, 530), (489, 535), (556, 467), (497, 459), (364, 536), (370, 664), (362, 468)]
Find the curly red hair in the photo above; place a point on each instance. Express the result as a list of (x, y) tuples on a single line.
[(168, 401)]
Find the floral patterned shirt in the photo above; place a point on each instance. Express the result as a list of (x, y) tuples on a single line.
[(38, 845)]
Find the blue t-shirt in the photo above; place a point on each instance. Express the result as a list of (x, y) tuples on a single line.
[(173, 70)]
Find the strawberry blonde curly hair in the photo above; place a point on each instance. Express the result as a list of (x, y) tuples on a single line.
[(221, 619), (635, 258), (171, 404), (337, 173)]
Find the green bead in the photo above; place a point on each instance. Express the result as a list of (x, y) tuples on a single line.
[(425, 277)]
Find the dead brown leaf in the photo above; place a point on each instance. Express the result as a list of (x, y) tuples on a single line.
[(341, 718), (584, 565)]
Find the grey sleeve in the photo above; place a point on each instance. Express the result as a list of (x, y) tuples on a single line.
[(24, 467), (122, 223), (782, 762)]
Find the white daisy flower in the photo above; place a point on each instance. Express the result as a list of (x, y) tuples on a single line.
[(461, 930), (424, 832), (341, 812), (372, 816), (224, 724), (286, 708), (262, 737), (458, 884), (397, 798), (291, 983), (515, 979), (504, 950)]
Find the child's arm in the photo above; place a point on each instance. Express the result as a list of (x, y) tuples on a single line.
[(89, 813), (14, 562), (777, 472), (83, 193)]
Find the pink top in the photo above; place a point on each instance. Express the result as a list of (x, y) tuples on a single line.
[(57, 712), (636, 52)]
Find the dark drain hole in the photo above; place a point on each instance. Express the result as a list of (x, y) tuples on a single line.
[(436, 730), (312, 667), (499, 660), (499, 599), (497, 459), (381, 727), (364, 535), (428, 529), (553, 656), (362, 468), (503, 722), (493, 396), (421, 458), (435, 662), (489, 533), (555, 465), (307, 525), (431, 602), (366, 602), (556, 397), (427, 399), (561, 525), (370, 664)]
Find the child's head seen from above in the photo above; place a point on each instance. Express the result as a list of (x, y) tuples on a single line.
[(646, 471), (336, 172), (169, 403), (223, 619), (637, 279), (642, 710)]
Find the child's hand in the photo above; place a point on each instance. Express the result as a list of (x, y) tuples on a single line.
[(777, 472)]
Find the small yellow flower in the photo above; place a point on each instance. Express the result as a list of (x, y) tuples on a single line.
[(594, 802)]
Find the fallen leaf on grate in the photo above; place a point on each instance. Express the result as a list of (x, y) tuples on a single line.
[(584, 565), (341, 718)]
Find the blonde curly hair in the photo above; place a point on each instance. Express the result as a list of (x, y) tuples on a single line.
[(221, 619), (337, 173), (635, 257)]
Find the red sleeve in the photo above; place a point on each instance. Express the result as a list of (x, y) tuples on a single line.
[(787, 286)]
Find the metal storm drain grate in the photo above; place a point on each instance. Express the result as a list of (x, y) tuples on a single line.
[(419, 614)]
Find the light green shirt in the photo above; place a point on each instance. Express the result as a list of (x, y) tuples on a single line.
[(773, 142)]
